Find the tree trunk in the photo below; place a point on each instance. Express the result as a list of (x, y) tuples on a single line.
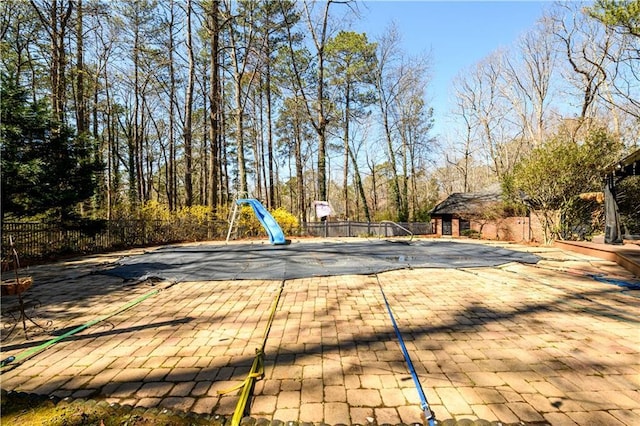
[(111, 147), (146, 168), (321, 129), (302, 205), (271, 202), (258, 146), (359, 185), (56, 26), (204, 146), (395, 180), (135, 150), (345, 177), (240, 71), (188, 106), (172, 184), (403, 215), (242, 171), (81, 104), (374, 185), (214, 102)]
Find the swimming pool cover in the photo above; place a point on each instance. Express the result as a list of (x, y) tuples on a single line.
[(308, 259)]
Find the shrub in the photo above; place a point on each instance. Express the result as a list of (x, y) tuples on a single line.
[(249, 225), (247, 221), (471, 233), (287, 221), (199, 214), (153, 210)]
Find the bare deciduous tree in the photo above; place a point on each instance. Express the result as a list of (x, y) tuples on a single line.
[(188, 112), (55, 16), (586, 49), (529, 78)]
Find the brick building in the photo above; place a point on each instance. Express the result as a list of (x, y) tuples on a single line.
[(482, 214)]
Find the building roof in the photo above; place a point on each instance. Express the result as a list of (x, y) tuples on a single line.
[(628, 166), (463, 203)]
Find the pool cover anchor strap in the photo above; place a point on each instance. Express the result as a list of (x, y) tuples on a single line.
[(30, 352), (424, 404), (257, 368)]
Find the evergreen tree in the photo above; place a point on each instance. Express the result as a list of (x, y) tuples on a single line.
[(351, 58), (45, 168), (622, 15)]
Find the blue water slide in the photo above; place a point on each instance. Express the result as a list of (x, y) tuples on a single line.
[(276, 236)]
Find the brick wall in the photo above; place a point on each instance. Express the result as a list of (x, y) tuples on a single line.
[(436, 225), (511, 229), (507, 229)]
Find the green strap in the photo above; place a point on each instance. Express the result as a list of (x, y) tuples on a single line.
[(45, 345)]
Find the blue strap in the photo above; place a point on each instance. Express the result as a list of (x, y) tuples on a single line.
[(620, 283), (424, 405)]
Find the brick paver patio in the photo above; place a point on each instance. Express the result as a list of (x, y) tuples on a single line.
[(515, 343)]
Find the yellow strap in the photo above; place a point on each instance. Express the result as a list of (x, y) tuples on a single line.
[(252, 375), (257, 368)]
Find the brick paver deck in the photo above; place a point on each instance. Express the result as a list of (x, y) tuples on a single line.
[(530, 343)]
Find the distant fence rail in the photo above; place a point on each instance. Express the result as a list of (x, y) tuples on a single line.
[(366, 229), (44, 240)]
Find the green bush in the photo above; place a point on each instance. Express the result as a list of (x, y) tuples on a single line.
[(471, 233)]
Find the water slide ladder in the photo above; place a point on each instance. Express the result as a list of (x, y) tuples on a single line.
[(270, 225)]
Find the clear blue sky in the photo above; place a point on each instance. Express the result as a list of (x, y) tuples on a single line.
[(457, 33)]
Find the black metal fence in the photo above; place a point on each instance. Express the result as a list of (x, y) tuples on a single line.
[(44, 240), (366, 229)]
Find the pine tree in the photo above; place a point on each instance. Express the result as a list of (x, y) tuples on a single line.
[(46, 169)]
